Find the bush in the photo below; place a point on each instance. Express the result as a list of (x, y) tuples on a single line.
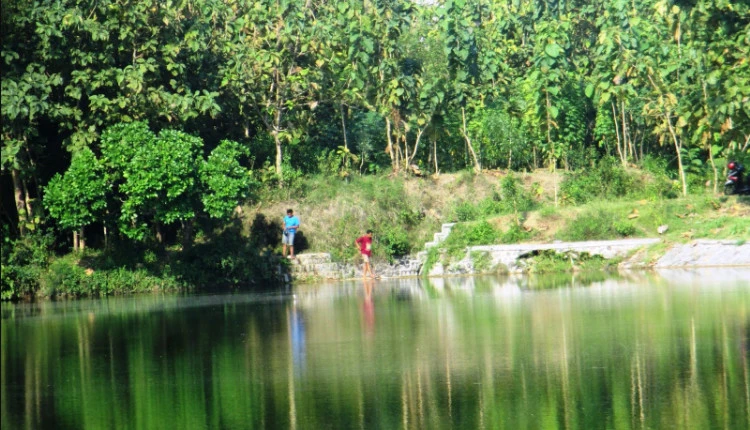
[(480, 233), (624, 228), (464, 211), (659, 182), (598, 224), (395, 242), (514, 196), (63, 277), (511, 199), (515, 234), (482, 261), (607, 180), (23, 262)]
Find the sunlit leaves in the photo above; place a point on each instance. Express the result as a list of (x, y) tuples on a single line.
[(77, 198), (225, 181)]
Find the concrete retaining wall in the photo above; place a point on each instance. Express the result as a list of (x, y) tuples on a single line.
[(699, 253), (510, 255)]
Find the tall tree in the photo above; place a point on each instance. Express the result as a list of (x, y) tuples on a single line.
[(273, 65)]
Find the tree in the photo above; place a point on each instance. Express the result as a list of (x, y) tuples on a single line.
[(78, 198), (273, 65), (225, 181), (161, 185)]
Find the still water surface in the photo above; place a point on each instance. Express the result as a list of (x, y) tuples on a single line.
[(666, 350)]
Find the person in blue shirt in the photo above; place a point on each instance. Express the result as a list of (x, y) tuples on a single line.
[(291, 225)]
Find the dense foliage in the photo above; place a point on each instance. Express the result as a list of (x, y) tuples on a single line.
[(351, 86)]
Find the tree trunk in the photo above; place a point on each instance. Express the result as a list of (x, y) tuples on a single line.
[(18, 194), (465, 132), (27, 199), (678, 149), (81, 240), (343, 125), (187, 233), (410, 158), (158, 233), (434, 154), (708, 143), (75, 240), (617, 134), (553, 158), (626, 144), (389, 147), (277, 163)]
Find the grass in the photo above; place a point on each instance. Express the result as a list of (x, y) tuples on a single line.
[(406, 212)]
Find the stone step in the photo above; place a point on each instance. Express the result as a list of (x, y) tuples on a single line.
[(441, 236), (446, 228)]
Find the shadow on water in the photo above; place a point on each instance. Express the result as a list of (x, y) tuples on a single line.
[(641, 350)]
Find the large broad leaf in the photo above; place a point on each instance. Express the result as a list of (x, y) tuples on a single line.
[(553, 111), (553, 50), (589, 90)]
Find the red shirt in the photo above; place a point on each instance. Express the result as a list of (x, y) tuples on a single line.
[(365, 245)]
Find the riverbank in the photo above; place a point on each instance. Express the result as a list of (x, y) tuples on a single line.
[(408, 214), (626, 254)]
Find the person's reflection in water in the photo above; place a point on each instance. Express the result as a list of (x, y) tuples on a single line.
[(297, 336), (368, 307)]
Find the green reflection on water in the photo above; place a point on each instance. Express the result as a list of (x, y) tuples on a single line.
[(652, 351)]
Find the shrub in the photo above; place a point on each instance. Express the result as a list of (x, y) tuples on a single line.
[(514, 196), (514, 234), (464, 211), (481, 233), (63, 278), (23, 262), (395, 242), (607, 180), (482, 261), (595, 224), (624, 228)]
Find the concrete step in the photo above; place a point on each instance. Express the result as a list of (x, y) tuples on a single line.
[(446, 228), (441, 236)]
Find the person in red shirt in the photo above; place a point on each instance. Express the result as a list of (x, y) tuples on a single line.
[(365, 248)]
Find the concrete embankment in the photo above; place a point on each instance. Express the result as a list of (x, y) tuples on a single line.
[(635, 253)]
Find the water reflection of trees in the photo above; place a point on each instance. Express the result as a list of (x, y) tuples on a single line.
[(464, 352)]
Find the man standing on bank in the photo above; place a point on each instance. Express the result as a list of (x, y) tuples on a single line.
[(291, 224), (365, 248)]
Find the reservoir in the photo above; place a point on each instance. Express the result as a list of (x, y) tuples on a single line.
[(663, 349)]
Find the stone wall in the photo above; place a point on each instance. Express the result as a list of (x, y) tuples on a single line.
[(699, 253), (509, 256), (319, 267)]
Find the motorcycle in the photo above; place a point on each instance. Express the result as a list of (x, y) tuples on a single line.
[(735, 183)]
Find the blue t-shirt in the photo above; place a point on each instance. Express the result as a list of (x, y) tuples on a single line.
[(291, 223)]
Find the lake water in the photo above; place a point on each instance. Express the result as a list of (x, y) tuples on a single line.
[(647, 351)]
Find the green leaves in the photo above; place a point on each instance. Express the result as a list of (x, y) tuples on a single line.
[(224, 180), (77, 198), (553, 50), (147, 180)]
